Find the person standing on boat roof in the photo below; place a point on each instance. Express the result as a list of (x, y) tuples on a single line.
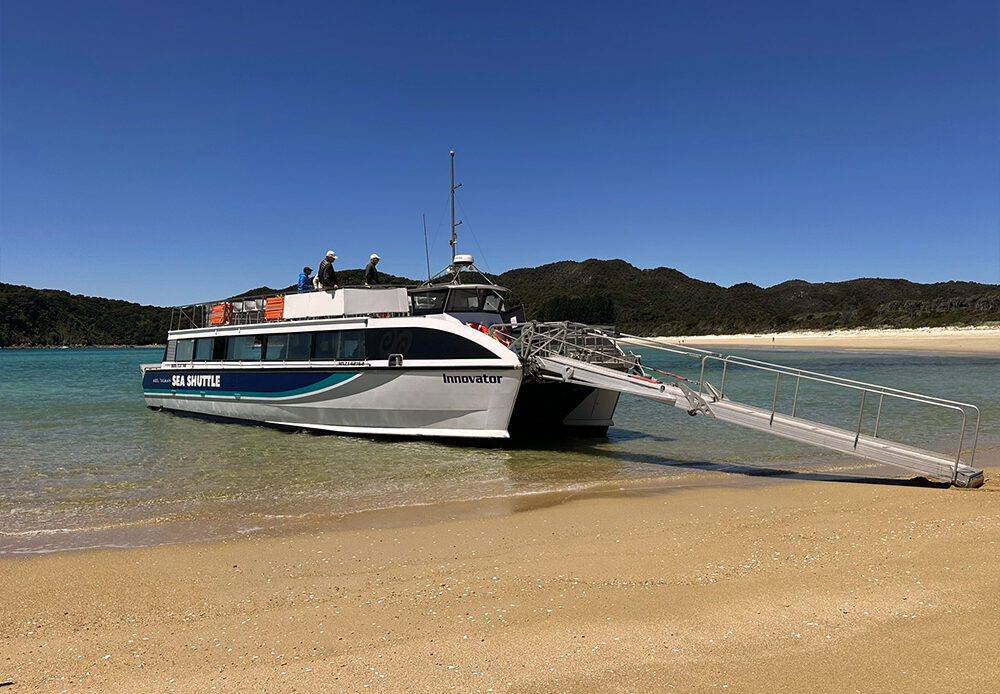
[(371, 274), (326, 274), (305, 281)]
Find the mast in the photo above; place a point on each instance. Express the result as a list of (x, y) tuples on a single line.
[(427, 252), (454, 224)]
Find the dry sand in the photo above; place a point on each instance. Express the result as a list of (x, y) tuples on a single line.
[(978, 340), (777, 585)]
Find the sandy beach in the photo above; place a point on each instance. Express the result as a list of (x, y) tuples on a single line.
[(973, 340), (760, 585)]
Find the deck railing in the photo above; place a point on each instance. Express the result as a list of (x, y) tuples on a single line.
[(246, 310)]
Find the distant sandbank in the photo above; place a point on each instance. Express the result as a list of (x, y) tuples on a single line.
[(960, 340)]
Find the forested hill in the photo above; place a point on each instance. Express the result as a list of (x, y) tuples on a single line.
[(661, 301), (47, 317)]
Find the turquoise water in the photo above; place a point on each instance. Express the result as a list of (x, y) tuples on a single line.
[(83, 463)]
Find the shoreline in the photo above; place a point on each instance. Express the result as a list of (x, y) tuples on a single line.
[(752, 587), (956, 340), (183, 532)]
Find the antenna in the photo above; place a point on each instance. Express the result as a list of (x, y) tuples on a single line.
[(454, 224), (427, 252)]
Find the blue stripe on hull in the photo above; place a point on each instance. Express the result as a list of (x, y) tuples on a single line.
[(267, 384)]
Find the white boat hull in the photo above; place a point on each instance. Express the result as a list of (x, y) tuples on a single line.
[(459, 402)]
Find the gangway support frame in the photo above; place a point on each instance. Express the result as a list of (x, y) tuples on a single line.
[(557, 352)]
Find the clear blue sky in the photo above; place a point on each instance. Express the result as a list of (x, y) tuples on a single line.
[(169, 152)]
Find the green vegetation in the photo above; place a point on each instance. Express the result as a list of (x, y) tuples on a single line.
[(663, 301), (47, 317), (660, 301)]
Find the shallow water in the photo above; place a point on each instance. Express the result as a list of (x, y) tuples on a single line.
[(83, 463)]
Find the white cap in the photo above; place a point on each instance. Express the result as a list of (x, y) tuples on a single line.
[(374, 256), (331, 254)]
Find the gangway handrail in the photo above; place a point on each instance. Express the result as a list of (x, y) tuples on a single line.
[(539, 338), (874, 388), (864, 388)]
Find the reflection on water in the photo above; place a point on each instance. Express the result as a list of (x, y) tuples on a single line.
[(84, 463)]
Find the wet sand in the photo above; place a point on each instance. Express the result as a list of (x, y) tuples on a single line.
[(978, 340), (782, 585)]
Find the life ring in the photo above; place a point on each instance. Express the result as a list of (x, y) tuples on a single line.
[(502, 336), (499, 334)]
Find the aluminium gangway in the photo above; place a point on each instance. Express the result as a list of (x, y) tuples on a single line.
[(584, 355)]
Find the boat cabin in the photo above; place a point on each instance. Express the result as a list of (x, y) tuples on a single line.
[(479, 302)]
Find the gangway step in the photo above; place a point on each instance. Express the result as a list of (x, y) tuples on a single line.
[(923, 462)]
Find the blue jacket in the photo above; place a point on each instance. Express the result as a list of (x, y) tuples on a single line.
[(305, 283)]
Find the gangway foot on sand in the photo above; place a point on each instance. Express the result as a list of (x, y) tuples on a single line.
[(584, 355)]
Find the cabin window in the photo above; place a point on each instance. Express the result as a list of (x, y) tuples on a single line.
[(352, 344), (463, 300), (340, 344), (209, 348), (288, 347), (423, 303), (244, 348), (326, 345), (276, 347), (493, 303), (422, 343), (299, 346), (185, 350)]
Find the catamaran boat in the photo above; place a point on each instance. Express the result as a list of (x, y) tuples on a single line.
[(434, 360), (449, 358)]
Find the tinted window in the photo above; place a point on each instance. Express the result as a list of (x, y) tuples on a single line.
[(243, 348), (288, 346), (422, 343), (208, 348), (299, 346), (493, 302), (428, 302), (463, 300), (185, 350), (340, 344), (352, 344), (326, 345), (277, 347)]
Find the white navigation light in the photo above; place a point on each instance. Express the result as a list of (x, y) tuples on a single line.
[(464, 259)]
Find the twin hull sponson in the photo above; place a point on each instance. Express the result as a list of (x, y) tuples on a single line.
[(429, 375)]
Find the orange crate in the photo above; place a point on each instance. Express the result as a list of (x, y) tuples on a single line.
[(274, 308), (222, 314)]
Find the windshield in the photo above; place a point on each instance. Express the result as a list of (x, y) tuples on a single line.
[(475, 300), (428, 302)]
